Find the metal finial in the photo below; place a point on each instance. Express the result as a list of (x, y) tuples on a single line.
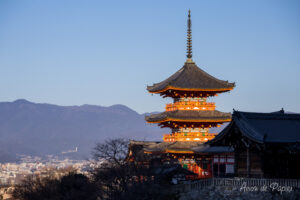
[(189, 37)]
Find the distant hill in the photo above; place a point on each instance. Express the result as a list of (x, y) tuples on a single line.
[(41, 129)]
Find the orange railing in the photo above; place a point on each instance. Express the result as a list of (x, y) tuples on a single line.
[(197, 169), (192, 137), (190, 105)]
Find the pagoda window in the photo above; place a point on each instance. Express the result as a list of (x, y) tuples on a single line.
[(185, 130), (184, 99), (203, 130), (216, 158), (230, 159), (202, 99), (222, 159), (229, 169), (194, 130)]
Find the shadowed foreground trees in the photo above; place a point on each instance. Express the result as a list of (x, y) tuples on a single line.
[(69, 187), (119, 179), (112, 178)]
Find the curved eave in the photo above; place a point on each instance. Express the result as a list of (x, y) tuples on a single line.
[(191, 120), (221, 134), (190, 89), (246, 129), (179, 151), (170, 151)]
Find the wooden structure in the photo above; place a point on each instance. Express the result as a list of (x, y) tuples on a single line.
[(194, 156), (265, 144), (189, 117), (252, 145)]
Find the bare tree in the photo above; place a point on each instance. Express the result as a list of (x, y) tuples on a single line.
[(120, 179), (113, 178), (112, 151), (113, 173)]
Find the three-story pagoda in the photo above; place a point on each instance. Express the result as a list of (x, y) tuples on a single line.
[(190, 115)]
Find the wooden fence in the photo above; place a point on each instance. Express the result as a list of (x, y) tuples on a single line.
[(234, 182)]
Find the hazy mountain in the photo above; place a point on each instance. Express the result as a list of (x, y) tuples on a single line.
[(40, 129)]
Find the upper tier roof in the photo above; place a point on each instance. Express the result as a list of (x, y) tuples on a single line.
[(190, 116), (191, 78)]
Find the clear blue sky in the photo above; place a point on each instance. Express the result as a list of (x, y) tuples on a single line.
[(106, 52)]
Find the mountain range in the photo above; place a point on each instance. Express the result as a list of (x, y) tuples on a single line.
[(39, 129)]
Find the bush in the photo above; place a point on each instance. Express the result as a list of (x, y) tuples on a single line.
[(69, 187)]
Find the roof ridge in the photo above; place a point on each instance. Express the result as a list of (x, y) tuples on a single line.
[(191, 76), (268, 116), (247, 128), (180, 72), (221, 134), (210, 76)]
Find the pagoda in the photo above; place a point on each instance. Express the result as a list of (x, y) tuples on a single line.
[(190, 115)]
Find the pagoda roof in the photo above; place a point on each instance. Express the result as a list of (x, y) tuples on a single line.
[(189, 116), (191, 78), (275, 127), (144, 148), (171, 147), (181, 147)]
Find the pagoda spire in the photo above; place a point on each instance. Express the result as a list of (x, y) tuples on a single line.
[(189, 38)]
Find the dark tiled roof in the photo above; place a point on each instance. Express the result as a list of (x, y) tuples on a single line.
[(191, 76), (189, 115), (213, 149), (171, 146), (276, 127), (143, 143), (181, 147), (171, 170)]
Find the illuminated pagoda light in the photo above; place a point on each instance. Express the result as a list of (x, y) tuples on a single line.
[(190, 115)]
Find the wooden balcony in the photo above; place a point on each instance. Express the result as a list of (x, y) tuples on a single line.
[(188, 137), (190, 105)]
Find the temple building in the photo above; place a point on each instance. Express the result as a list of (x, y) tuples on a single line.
[(252, 144), (265, 144), (189, 117)]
